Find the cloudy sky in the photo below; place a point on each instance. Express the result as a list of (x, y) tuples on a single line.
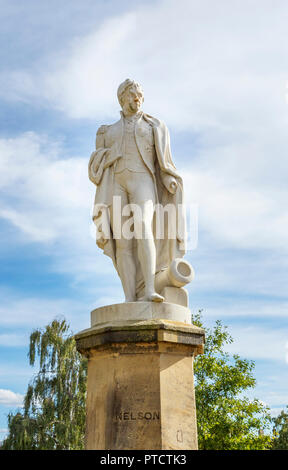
[(216, 73)]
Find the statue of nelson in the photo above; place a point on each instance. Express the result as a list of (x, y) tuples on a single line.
[(133, 162)]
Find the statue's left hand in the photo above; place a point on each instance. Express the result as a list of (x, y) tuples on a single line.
[(170, 183)]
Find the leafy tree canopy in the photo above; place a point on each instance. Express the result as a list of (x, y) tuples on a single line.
[(54, 406), (227, 419)]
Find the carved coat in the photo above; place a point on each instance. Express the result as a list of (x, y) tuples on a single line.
[(101, 173)]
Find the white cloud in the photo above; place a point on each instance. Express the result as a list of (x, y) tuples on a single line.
[(257, 342), (22, 222), (236, 213), (13, 340), (236, 307), (48, 198), (45, 188), (35, 312), (277, 398), (210, 61), (21, 312), (9, 398)]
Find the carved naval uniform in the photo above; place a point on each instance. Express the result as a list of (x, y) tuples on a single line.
[(132, 177)]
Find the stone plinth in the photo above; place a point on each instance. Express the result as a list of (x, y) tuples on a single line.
[(140, 391), (136, 311)]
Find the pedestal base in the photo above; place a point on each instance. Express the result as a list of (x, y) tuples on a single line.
[(137, 311), (140, 390)]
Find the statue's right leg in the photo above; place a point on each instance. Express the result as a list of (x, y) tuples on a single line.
[(126, 268), (125, 256)]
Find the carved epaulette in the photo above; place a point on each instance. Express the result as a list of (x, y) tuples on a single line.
[(102, 129)]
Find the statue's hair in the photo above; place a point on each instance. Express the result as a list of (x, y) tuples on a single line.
[(123, 87)]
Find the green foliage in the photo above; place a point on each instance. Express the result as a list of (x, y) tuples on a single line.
[(226, 419), (54, 406), (280, 431)]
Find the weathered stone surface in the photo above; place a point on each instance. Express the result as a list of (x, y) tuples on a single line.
[(140, 391), (137, 311), (146, 331), (175, 295)]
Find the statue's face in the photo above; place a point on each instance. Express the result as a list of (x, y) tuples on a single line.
[(132, 99)]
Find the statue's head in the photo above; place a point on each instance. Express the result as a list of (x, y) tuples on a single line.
[(130, 96)]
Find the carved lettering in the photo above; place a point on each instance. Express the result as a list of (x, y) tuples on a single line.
[(139, 415)]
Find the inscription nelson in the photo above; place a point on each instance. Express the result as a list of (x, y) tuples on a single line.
[(134, 416)]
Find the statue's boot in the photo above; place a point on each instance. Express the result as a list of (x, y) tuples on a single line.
[(153, 297), (156, 297)]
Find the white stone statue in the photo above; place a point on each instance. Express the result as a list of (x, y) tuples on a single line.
[(134, 173)]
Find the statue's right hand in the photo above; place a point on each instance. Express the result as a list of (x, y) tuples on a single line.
[(101, 242)]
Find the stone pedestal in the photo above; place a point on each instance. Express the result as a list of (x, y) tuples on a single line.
[(140, 391)]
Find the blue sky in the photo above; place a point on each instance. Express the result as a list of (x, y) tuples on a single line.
[(216, 73)]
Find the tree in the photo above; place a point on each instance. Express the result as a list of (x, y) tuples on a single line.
[(226, 419), (53, 416), (280, 431)]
